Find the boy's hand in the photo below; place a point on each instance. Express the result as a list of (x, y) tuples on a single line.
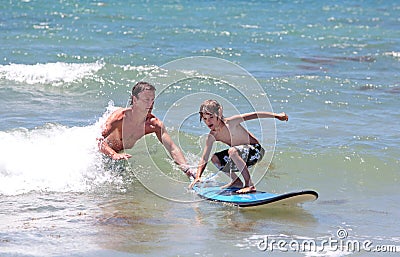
[(196, 180), (282, 116)]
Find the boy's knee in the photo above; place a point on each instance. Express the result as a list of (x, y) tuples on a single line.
[(216, 162), (232, 151), (215, 159)]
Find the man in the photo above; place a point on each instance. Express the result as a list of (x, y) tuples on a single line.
[(126, 126)]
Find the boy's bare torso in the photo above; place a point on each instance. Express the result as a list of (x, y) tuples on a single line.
[(233, 134)]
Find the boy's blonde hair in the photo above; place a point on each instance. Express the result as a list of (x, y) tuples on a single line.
[(211, 107)]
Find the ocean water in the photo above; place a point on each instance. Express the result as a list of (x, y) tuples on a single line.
[(331, 66)]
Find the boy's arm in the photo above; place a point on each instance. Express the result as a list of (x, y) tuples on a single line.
[(204, 159), (258, 115)]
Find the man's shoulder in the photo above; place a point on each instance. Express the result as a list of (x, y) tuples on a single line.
[(118, 114), (123, 110)]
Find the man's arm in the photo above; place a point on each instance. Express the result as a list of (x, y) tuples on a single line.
[(108, 127), (106, 149), (172, 148), (110, 123)]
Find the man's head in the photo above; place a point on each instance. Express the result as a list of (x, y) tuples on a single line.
[(143, 94)]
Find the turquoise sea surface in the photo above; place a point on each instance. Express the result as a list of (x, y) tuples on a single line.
[(332, 66)]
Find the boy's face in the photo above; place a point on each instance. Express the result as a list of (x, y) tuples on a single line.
[(210, 119)]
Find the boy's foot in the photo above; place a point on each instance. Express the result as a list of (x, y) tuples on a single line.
[(246, 190), (237, 183)]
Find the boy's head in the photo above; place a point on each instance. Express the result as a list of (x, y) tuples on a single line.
[(140, 87), (211, 107)]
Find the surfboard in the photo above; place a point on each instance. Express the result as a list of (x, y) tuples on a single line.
[(214, 192)]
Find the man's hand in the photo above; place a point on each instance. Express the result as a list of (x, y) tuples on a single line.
[(190, 172), (121, 156)]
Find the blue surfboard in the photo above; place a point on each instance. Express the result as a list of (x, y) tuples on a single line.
[(214, 192)]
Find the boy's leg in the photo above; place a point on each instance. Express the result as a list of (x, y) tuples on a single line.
[(236, 182), (241, 165)]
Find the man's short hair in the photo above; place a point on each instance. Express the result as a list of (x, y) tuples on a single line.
[(140, 87)]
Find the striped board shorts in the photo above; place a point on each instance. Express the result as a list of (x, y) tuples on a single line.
[(251, 154)]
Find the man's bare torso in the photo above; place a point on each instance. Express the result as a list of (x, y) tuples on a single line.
[(123, 129)]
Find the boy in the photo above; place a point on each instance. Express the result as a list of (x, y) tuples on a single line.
[(245, 150)]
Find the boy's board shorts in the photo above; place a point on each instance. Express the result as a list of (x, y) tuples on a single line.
[(251, 154)]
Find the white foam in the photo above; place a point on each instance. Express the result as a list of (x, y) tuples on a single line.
[(393, 53), (49, 73), (51, 158)]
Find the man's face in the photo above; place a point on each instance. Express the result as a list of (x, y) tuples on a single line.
[(145, 100)]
